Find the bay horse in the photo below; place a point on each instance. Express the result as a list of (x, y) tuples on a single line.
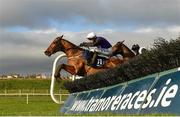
[(76, 63), (120, 48)]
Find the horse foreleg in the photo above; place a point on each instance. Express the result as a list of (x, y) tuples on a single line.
[(67, 68)]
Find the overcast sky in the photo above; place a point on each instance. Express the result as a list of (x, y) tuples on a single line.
[(28, 26)]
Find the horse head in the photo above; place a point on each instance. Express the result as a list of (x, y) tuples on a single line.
[(54, 47), (121, 48), (117, 48)]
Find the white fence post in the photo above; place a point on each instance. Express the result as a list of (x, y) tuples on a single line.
[(33, 92), (60, 98), (5, 92), (27, 99), (20, 92)]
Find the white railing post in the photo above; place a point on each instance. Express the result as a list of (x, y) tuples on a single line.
[(20, 92), (27, 98), (53, 78), (5, 92), (60, 98)]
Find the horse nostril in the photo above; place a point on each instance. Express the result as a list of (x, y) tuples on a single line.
[(46, 52)]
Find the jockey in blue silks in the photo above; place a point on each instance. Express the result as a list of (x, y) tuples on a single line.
[(102, 44)]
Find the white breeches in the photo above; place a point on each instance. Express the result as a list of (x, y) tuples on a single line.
[(104, 51)]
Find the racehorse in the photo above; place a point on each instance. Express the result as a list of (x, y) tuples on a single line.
[(120, 48), (76, 61)]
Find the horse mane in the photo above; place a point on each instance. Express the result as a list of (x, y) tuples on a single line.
[(69, 42), (72, 44)]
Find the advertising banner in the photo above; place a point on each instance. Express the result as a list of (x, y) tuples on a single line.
[(157, 93), (164, 96)]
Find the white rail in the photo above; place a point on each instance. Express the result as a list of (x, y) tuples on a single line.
[(27, 95), (31, 94), (53, 79)]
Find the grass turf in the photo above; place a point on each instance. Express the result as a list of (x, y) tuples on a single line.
[(38, 105)]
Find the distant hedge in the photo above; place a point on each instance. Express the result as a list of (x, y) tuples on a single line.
[(163, 56), (19, 83)]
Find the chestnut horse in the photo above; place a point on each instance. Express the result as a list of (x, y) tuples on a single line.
[(76, 61)]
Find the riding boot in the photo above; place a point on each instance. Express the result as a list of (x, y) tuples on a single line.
[(88, 62), (93, 60)]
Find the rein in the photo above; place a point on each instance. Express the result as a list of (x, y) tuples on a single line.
[(71, 48)]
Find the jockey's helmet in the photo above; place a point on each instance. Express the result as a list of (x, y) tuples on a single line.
[(135, 47), (91, 35)]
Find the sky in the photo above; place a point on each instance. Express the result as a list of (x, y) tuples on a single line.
[(27, 27)]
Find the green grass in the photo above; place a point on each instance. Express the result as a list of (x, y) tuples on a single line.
[(38, 105)]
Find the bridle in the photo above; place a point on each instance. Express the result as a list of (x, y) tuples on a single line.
[(54, 50)]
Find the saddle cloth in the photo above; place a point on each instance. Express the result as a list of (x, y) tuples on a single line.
[(101, 58)]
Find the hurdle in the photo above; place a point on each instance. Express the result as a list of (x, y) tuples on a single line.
[(53, 78)]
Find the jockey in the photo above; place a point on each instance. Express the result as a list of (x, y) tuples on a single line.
[(103, 46), (137, 49)]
